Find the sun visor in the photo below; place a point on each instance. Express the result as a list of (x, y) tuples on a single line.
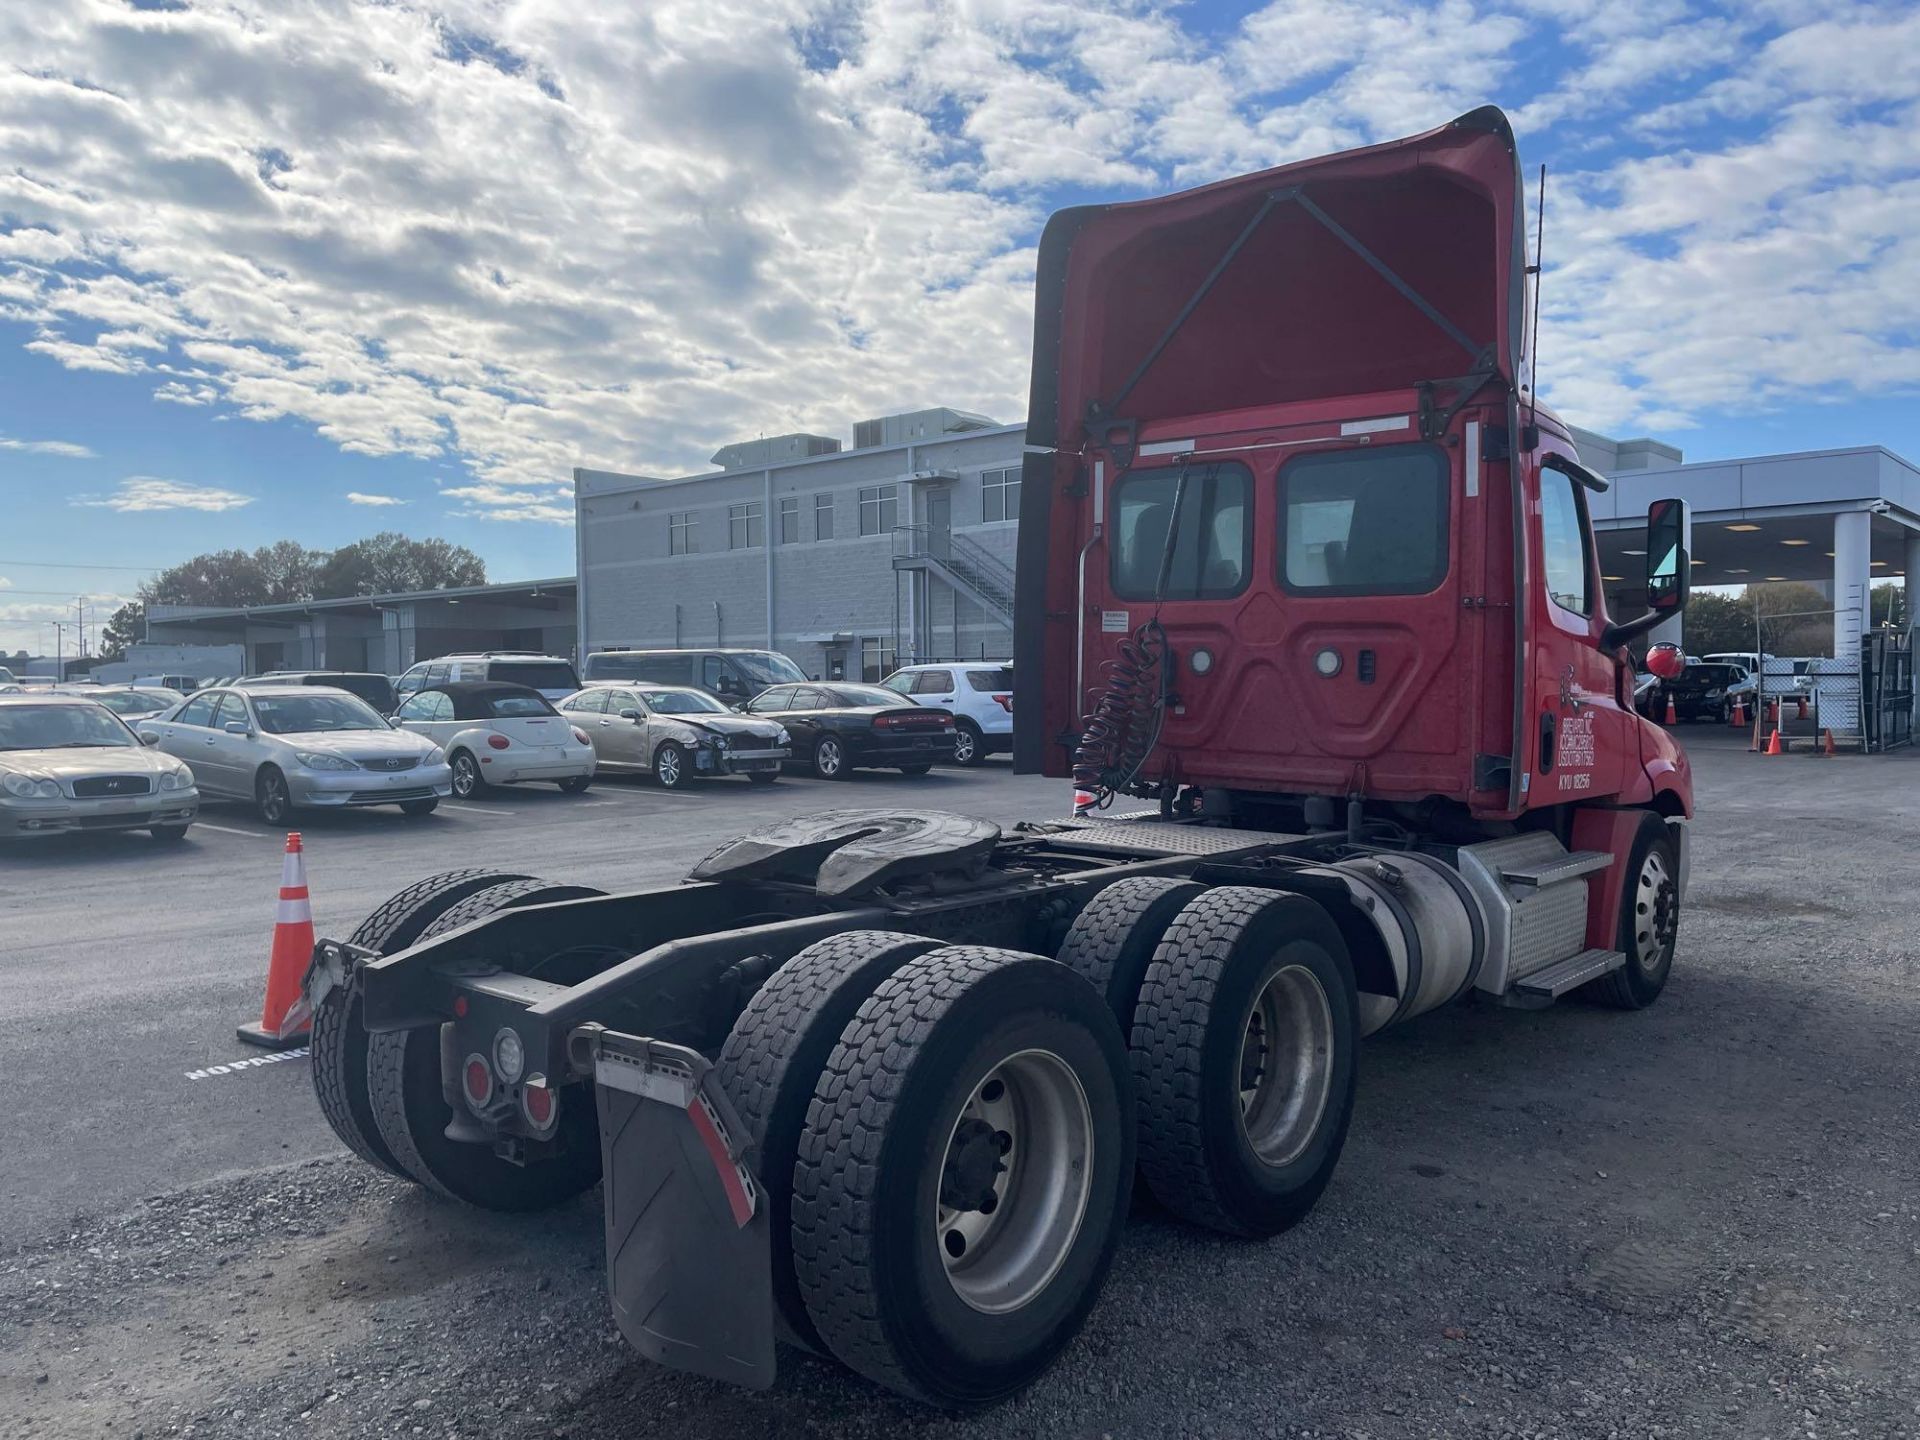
[(1371, 270)]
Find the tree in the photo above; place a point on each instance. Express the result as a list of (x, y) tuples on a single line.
[(221, 577), (1889, 605), (289, 570), (129, 624), (390, 562), (1717, 623)]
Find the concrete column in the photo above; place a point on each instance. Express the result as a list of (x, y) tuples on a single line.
[(1913, 578), (1852, 581)]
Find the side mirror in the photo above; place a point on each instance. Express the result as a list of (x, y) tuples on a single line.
[(1666, 660), (147, 737), (1669, 566), (237, 727), (633, 715), (1669, 572)]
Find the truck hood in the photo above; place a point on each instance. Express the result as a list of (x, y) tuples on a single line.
[(1372, 270)]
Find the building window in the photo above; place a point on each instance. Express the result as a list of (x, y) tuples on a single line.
[(682, 536), (879, 509), (789, 519), (1000, 495), (823, 517), (746, 526), (876, 658)]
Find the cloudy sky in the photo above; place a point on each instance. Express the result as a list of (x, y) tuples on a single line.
[(316, 269)]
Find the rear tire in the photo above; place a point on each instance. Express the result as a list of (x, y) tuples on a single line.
[(1244, 1052), (168, 834), (916, 769), (762, 777), (930, 1264), (1112, 940), (467, 779), (338, 1047), (969, 746), (1649, 925), (773, 1060), (830, 758), (411, 1109), (575, 785)]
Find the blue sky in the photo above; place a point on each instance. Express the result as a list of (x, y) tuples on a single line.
[(271, 271)]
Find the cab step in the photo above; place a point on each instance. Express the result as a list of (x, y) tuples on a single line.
[(1538, 874), (1550, 982)]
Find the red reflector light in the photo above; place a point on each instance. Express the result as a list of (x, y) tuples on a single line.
[(478, 1080), (581, 736), (498, 742), (1005, 702), (538, 1103)]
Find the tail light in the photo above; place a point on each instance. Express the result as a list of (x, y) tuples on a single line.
[(497, 742), (476, 1079), (581, 736), (1005, 702), (539, 1105)]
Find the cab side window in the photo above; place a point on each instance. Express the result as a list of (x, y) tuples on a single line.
[(934, 682), (1563, 544), (198, 711)]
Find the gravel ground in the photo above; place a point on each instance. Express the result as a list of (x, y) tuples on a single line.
[(1701, 1220)]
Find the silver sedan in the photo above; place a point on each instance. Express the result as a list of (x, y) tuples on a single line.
[(282, 747), (69, 764)]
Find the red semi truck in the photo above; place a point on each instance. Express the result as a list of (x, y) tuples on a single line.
[(1309, 612)]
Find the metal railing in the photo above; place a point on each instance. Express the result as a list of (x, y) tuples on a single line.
[(977, 568)]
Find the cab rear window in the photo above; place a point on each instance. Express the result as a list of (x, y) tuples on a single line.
[(1211, 549), (990, 680), (1364, 522), (535, 674)]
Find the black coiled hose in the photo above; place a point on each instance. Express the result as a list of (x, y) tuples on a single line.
[(1125, 724)]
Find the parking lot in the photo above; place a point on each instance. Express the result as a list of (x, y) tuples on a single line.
[(1696, 1220)]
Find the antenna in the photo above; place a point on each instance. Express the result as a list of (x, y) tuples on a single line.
[(1533, 345)]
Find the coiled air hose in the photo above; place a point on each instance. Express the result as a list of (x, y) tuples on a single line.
[(1126, 721)]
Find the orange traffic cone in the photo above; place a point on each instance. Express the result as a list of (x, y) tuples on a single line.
[(1739, 717), (1773, 713), (1773, 742), (1083, 802), (1827, 748), (284, 1017), (1673, 715)]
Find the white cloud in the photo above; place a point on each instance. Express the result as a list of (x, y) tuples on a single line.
[(66, 449), (145, 492), (355, 497), (516, 238)]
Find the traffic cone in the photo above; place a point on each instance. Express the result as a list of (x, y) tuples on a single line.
[(284, 1017), (1673, 715), (1773, 713), (1082, 802), (1827, 748), (1739, 719), (1773, 742)]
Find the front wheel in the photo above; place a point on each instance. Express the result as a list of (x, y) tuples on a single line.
[(467, 781), (963, 1175), (1649, 924), (167, 834), (830, 758), (1245, 1045), (916, 769), (671, 767), (575, 785), (420, 807), (271, 799), (763, 777)]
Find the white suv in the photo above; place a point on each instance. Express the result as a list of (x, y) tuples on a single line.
[(978, 692), (553, 677)]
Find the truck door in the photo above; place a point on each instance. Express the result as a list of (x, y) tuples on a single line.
[(1581, 734)]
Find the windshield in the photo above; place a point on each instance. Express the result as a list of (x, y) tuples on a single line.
[(1713, 674), (60, 727), (682, 702), (302, 714), (535, 674), (127, 702), (764, 667)]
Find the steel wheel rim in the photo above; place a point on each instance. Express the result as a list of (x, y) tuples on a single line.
[(1285, 1069), (1002, 1236), (668, 767), (827, 757), (963, 746), (1656, 915)]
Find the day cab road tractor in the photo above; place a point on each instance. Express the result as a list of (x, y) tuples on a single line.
[(1309, 616)]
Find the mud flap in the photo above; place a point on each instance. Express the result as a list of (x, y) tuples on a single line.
[(688, 1265)]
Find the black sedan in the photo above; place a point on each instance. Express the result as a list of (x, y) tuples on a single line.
[(839, 728)]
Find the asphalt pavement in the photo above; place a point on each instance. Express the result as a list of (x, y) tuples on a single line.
[(1700, 1220)]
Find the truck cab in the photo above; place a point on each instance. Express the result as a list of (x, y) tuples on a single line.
[(1298, 532)]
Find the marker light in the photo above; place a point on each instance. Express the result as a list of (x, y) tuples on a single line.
[(1327, 662), (477, 1081), (1202, 661), (509, 1055)]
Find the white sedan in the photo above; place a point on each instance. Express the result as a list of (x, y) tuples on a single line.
[(499, 734)]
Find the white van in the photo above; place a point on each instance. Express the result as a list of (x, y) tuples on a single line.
[(551, 676)]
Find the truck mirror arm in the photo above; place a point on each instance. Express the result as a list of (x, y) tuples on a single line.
[(1614, 636)]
